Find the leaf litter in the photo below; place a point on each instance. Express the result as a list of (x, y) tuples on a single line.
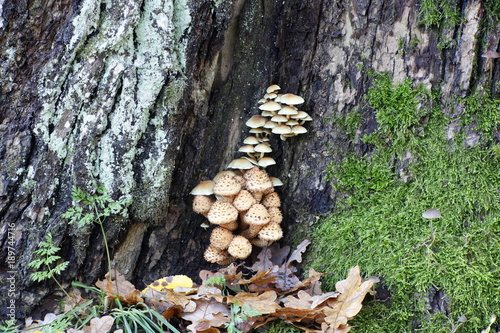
[(270, 288)]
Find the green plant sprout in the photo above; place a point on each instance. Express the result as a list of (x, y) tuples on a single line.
[(46, 251), (140, 318), (98, 207), (240, 314)]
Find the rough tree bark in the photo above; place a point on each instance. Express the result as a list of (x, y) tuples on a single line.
[(149, 97)]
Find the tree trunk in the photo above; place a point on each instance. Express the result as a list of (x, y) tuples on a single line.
[(150, 97)]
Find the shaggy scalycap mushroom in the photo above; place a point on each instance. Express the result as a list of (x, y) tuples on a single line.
[(222, 212), (275, 214), (271, 200), (257, 215), (240, 247), (220, 238), (226, 187), (271, 232), (258, 183), (243, 201), (202, 204), (216, 256)]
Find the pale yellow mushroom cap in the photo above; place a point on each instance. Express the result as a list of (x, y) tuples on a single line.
[(240, 163), (256, 121), (270, 106), (272, 88), (222, 212), (240, 247), (291, 99), (266, 161), (282, 129), (220, 238), (206, 187)]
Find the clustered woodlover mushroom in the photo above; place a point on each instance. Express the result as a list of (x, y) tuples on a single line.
[(242, 203)]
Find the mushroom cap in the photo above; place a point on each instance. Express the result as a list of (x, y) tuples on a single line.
[(256, 121), (262, 101), (292, 122), (291, 99), (251, 160), (206, 187), (271, 95), (202, 204), (288, 111), (490, 54), (279, 118), (271, 232), (270, 106), (257, 130), (251, 140), (220, 238), (243, 201), (276, 181), (247, 149), (240, 163), (214, 255), (222, 212), (282, 129), (263, 148), (431, 214), (222, 173), (249, 173), (270, 124), (240, 247), (257, 215), (271, 200), (297, 129), (226, 186), (300, 115), (276, 215), (266, 161), (272, 88), (265, 113), (258, 181)]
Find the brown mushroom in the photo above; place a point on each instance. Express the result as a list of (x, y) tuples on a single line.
[(216, 256), (240, 247), (275, 214), (243, 201), (202, 204), (226, 187), (206, 187), (271, 200), (222, 212), (271, 232), (220, 238)]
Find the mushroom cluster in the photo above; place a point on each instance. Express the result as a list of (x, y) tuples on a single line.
[(279, 115), (245, 209)]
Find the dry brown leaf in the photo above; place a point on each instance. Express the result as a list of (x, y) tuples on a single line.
[(297, 254), (265, 303), (208, 313), (352, 292), (120, 288), (262, 278), (101, 325)]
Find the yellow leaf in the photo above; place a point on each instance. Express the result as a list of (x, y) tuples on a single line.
[(170, 282)]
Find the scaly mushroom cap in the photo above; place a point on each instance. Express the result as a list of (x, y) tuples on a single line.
[(249, 173), (220, 238), (227, 187), (271, 232), (240, 247), (214, 255), (257, 215), (243, 201), (222, 212), (258, 182), (275, 214), (271, 200), (202, 204)]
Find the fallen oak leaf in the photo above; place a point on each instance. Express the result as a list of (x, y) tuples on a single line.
[(126, 291), (208, 313), (352, 292), (297, 254), (264, 303), (101, 325)]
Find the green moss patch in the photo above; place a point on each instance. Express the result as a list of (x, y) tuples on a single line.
[(435, 272)]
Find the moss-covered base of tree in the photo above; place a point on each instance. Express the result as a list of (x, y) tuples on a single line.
[(434, 272)]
